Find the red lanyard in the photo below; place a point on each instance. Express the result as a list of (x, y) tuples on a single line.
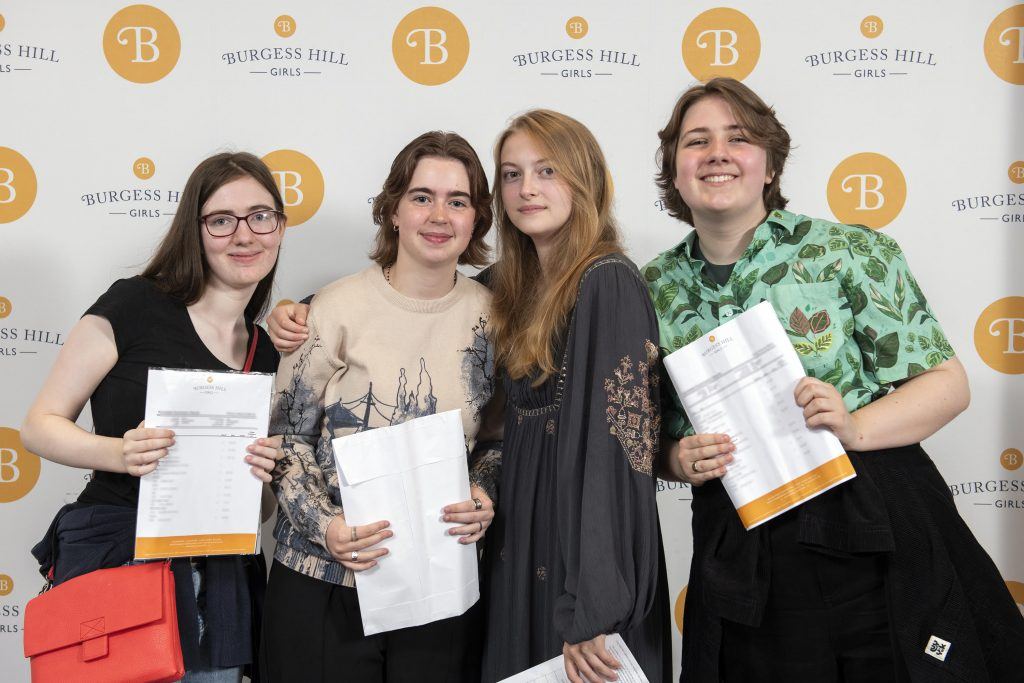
[(252, 348)]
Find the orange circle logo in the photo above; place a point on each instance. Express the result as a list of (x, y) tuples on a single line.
[(5, 307), (3, 23), (141, 44), (867, 189), (1011, 459), (871, 26), (1016, 589), (19, 468), (577, 28), (6, 585), (1016, 172), (680, 607), (1004, 45), (143, 168), (17, 185), (430, 46), (300, 181), (284, 26), (721, 42), (999, 335)]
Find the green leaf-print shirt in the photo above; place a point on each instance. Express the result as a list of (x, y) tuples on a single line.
[(843, 293)]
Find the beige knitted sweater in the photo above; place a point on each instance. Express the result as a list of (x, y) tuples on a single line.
[(374, 357)]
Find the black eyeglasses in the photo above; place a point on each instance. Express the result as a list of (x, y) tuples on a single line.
[(262, 222)]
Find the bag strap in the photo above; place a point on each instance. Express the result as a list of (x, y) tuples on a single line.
[(252, 348)]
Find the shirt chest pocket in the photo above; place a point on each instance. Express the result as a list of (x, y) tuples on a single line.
[(817, 323)]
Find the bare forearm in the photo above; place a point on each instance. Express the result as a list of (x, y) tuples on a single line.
[(60, 440), (915, 410)]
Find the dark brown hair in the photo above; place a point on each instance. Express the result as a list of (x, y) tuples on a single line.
[(529, 311), (438, 145), (759, 123), (178, 266)]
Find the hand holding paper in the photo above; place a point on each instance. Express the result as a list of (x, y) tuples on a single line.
[(406, 474), (198, 497), (355, 546), (554, 670), (740, 380), (143, 447)]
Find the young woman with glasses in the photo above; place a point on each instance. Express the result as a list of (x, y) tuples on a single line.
[(193, 307)]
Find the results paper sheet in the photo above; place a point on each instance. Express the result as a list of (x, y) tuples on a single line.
[(553, 670), (406, 474), (739, 380), (202, 499)]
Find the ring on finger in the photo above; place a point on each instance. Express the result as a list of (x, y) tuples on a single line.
[(481, 527), (355, 535), (693, 466), (355, 556)]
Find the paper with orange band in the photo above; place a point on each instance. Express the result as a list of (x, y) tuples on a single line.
[(202, 499), (739, 380)]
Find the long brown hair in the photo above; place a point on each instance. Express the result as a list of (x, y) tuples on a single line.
[(530, 312), (438, 145), (759, 122), (178, 267)]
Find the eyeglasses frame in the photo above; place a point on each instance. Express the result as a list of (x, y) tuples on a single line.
[(238, 221)]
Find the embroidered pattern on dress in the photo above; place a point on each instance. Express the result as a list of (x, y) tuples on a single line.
[(635, 419)]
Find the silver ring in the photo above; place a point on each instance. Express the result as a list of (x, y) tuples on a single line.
[(693, 466), (477, 504), (355, 556), (355, 536), (481, 527)]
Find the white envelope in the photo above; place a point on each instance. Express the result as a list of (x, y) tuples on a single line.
[(406, 474)]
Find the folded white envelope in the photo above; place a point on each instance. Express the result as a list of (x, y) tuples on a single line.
[(406, 474)]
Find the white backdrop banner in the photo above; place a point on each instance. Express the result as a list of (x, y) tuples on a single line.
[(905, 117)]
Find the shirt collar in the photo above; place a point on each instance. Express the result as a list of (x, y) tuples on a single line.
[(783, 219), (776, 218)]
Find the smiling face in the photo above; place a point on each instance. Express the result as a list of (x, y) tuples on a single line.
[(241, 260), (719, 173), (434, 216), (536, 200)]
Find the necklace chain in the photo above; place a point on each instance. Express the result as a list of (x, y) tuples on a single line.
[(387, 276)]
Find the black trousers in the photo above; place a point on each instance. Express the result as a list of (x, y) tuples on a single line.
[(826, 621), (312, 632)]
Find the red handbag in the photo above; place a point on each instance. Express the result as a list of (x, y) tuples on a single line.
[(108, 625)]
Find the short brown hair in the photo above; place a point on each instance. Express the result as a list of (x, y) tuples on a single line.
[(178, 267), (758, 121), (439, 145)]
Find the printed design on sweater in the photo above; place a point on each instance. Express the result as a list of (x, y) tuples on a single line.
[(409, 403), (478, 369), (297, 403)]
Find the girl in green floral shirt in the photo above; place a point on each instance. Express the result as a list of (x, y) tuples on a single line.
[(829, 591)]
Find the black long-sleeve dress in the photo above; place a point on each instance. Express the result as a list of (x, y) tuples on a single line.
[(575, 549)]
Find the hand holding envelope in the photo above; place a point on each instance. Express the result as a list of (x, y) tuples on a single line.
[(405, 474)]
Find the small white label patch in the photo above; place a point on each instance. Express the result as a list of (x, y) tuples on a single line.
[(938, 648)]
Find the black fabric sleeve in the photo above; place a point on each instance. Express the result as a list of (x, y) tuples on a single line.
[(121, 305), (485, 460), (607, 437)]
